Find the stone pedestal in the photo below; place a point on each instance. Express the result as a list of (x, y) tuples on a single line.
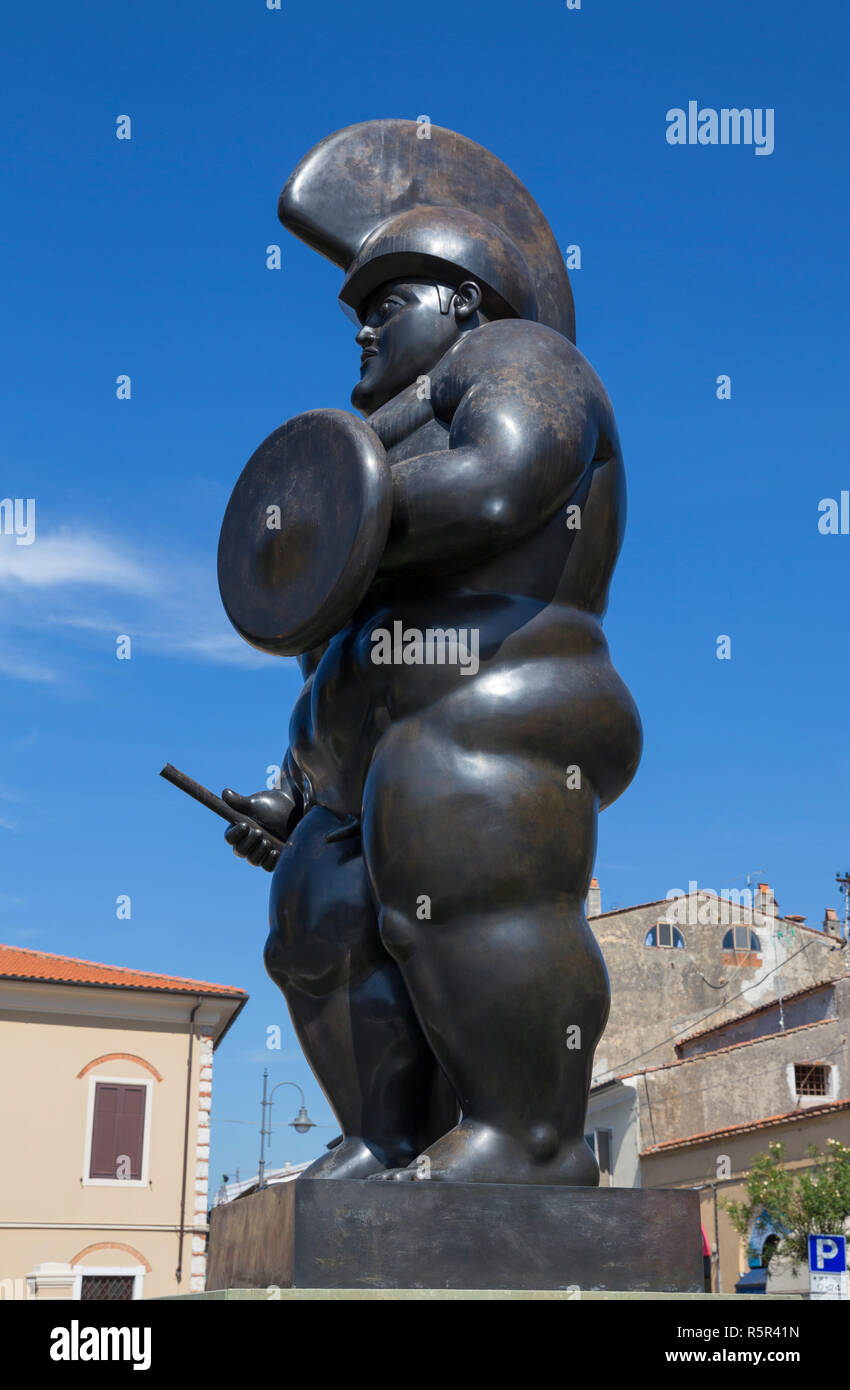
[(329, 1234)]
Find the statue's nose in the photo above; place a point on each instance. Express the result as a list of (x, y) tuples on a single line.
[(366, 337)]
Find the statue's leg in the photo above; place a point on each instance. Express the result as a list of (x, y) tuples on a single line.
[(480, 861), (349, 1006)]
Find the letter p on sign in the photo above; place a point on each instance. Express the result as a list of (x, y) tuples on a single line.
[(828, 1253)]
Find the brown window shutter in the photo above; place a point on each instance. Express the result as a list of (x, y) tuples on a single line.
[(118, 1129), (131, 1128), (103, 1131)]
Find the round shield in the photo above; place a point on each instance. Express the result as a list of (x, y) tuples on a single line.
[(304, 531)]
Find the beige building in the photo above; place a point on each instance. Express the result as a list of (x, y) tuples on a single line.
[(718, 1164), (105, 1095)]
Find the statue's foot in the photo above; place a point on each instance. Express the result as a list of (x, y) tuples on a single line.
[(473, 1152), (350, 1159)]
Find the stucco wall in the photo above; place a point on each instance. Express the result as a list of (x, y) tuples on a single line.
[(615, 1108), (45, 1105), (698, 1164)]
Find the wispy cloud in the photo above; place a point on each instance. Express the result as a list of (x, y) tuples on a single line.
[(76, 580), (70, 557), (12, 663)]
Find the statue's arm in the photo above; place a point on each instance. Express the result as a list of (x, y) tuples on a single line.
[(277, 809), (291, 787), (517, 449)]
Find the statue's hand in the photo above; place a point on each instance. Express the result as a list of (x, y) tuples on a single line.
[(272, 810)]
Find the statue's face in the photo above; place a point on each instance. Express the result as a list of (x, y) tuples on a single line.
[(404, 335)]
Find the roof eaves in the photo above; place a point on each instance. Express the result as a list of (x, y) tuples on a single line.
[(787, 1117), (732, 1047), (210, 991), (753, 1013)]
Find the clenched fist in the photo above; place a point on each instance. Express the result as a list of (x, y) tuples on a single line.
[(273, 811)]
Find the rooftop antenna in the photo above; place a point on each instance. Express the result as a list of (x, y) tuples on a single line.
[(843, 881)]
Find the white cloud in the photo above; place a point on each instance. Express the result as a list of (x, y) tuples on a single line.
[(70, 557), (80, 581)]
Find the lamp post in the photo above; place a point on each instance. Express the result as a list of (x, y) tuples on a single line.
[(301, 1124)]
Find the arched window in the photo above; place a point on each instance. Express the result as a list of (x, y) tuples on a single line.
[(665, 934), (742, 938), (764, 1239)]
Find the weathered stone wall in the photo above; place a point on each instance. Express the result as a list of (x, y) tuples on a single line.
[(748, 1081), (810, 1008), (659, 994)]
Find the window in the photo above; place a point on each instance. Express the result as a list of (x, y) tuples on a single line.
[(811, 1079), (117, 1131), (111, 1287), (109, 1283), (601, 1142), (665, 934), (604, 1145), (742, 938)]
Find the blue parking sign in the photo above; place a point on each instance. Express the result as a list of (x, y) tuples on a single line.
[(828, 1254)]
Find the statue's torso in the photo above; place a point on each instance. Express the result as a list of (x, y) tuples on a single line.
[(539, 649)]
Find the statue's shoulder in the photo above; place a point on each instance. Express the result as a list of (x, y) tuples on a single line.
[(518, 352), (515, 345)]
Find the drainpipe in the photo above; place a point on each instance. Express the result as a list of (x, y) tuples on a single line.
[(717, 1237), (179, 1271)]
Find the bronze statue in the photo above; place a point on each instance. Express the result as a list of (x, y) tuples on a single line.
[(441, 569)]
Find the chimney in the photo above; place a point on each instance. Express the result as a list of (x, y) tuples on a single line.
[(764, 901), (831, 924), (594, 899)]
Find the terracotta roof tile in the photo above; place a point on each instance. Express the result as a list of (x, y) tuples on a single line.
[(751, 913), (745, 1128), (21, 963)]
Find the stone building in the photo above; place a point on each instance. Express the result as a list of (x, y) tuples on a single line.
[(696, 957), (728, 1030)]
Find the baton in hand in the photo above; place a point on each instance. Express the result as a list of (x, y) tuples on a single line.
[(215, 803)]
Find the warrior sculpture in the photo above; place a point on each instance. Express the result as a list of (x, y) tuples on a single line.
[(440, 568)]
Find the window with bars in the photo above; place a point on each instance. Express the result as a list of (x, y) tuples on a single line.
[(811, 1079), (114, 1288)]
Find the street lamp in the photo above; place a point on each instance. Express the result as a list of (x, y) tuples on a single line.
[(302, 1123)]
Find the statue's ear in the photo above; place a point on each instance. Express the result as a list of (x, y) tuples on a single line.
[(467, 299)]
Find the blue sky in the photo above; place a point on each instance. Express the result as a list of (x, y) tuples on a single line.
[(147, 257)]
